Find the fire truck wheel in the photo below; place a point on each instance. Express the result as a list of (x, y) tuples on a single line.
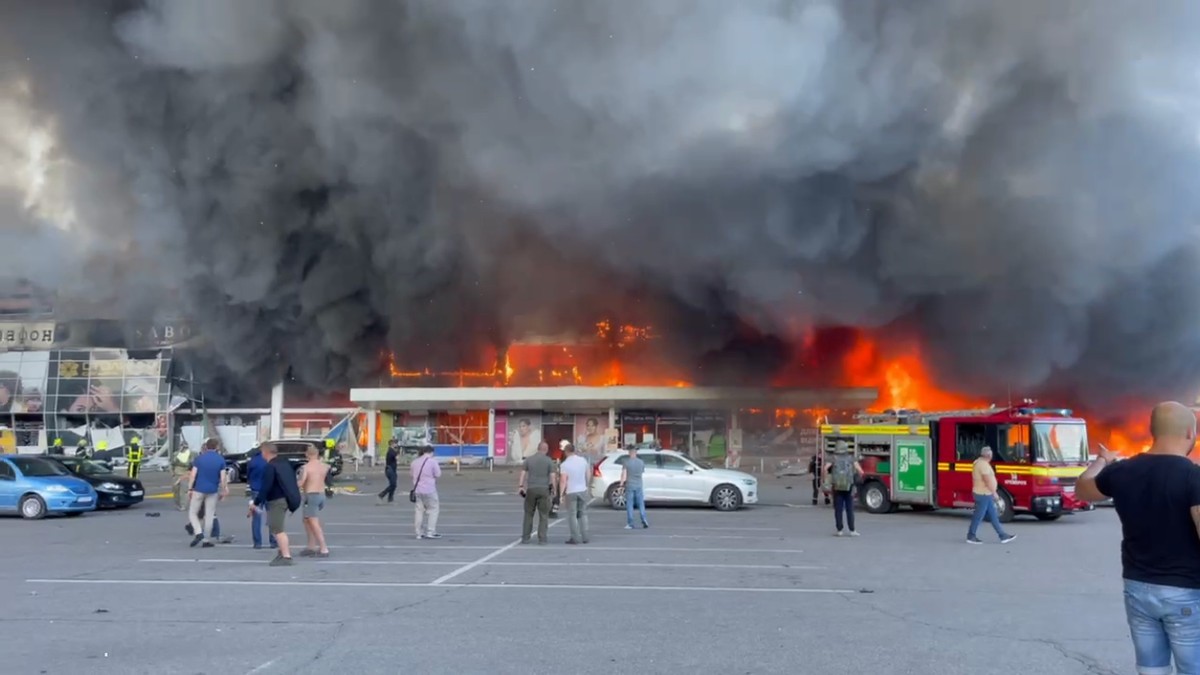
[(616, 497), (875, 498), (726, 497), (1005, 507)]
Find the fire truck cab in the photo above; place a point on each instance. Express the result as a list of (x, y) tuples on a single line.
[(924, 460)]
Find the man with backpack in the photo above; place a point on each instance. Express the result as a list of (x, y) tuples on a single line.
[(280, 494), (844, 472)]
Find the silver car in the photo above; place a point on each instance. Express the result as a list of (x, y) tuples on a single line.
[(674, 478)]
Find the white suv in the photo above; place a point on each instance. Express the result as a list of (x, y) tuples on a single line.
[(673, 477)]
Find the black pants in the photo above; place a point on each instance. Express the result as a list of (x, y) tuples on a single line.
[(843, 500), (817, 490), (390, 490)]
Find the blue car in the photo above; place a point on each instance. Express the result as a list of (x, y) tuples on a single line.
[(35, 487)]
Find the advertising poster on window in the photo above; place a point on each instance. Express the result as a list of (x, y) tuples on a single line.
[(524, 434), (500, 437), (590, 433), (23, 381), (106, 382)]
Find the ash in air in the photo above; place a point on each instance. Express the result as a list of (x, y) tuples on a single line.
[(1010, 184)]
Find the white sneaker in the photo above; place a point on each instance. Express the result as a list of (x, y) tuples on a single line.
[(838, 533), (420, 536), (853, 533)]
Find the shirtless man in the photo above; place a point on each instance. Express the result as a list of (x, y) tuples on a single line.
[(312, 486)]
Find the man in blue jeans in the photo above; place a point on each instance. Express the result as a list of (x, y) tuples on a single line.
[(254, 478), (986, 491), (635, 494), (1157, 497)]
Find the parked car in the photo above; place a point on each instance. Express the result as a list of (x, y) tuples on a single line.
[(35, 487), (112, 490), (291, 449), (674, 478)]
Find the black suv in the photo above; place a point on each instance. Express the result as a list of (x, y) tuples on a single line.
[(292, 449)]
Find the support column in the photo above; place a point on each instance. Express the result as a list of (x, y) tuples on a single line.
[(277, 410), (372, 431)]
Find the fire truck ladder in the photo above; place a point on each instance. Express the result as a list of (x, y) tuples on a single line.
[(918, 417)]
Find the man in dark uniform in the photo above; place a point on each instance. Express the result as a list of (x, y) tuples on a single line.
[(815, 465), (389, 471)]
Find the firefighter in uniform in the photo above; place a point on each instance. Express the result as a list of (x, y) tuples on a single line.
[(815, 467), (181, 466), (133, 456), (102, 446), (57, 448), (327, 458), (81, 448)]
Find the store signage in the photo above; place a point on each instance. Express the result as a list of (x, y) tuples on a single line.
[(162, 334), (26, 335)]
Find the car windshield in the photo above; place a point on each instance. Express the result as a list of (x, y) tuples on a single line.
[(1060, 441), (88, 468), (38, 468)]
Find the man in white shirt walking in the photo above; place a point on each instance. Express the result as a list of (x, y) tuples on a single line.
[(575, 484)]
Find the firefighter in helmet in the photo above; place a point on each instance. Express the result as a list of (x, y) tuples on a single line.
[(133, 456), (102, 446), (57, 448), (82, 450)]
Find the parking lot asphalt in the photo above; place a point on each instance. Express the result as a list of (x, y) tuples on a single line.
[(763, 590)]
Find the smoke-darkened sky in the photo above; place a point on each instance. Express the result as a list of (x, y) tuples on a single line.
[(1011, 182)]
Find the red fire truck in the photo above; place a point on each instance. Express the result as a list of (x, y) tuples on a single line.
[(924, 460)]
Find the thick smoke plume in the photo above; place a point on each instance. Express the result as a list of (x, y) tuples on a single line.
[(1010, 184)]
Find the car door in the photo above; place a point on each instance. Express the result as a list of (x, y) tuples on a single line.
[(683, 481), (8, 486), (652, 478)]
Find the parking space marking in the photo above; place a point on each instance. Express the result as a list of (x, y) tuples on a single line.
[(614, 531), (401, 584), (500, 551), (560, 563), (423, 547), (615, 525)]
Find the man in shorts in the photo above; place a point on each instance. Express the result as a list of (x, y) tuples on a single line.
[(312, 486), (280, 494)]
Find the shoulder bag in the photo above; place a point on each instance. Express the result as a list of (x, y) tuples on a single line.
[(412, 494)]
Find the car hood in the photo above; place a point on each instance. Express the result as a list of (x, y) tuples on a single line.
[(123, 481), (729, 474), (69, 482)]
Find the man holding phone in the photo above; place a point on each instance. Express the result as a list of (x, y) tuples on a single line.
[(537, 475)]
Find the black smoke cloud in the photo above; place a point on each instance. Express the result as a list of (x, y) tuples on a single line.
[(1010, 184)]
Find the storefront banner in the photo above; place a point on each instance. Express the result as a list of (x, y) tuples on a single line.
[(500, 436), (26, 335), (590, 433), (23, 381), (524, 434), (100, 382)]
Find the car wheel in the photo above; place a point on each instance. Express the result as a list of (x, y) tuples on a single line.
[(616, 497), (1004, 507), (875, 498), (726, 497), (33, 508)]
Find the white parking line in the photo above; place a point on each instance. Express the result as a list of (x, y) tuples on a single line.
[(471, 523), (500, 551), (402, 563), (389, 547), (613, 532), (400, 584)]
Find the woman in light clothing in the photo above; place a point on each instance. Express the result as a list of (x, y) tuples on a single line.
[(425, 472)]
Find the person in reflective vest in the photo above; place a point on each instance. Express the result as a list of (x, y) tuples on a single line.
[(330, 444), (181, 465), (102, 446), (133, 456), (81, 448), (57, 448)]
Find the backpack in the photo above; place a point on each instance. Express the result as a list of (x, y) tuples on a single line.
[(843, 472)]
